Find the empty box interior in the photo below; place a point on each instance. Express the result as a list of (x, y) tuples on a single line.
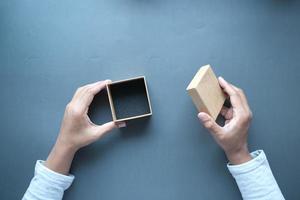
[(129, 99)]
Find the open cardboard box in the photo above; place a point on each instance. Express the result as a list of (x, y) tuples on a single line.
[(129, 99)]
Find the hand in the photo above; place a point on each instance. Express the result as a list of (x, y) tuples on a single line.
[(232, 137), (77, 130)]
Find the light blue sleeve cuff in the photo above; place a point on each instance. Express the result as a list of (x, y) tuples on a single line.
[(53, 177), (258, 158)]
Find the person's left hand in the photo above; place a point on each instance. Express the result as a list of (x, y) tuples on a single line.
[(77, 130)]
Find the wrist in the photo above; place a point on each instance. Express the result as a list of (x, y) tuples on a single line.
[(61, 157), (65, 146), (64, 150), (238, 156)]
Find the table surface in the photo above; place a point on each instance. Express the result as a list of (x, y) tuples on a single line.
[(49, 48)]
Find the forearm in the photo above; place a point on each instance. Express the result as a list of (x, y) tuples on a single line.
[(60, 157), (255, 179)]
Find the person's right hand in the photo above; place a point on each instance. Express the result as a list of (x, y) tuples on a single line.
[(232, 137)]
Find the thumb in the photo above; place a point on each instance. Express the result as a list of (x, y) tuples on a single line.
[(104, 128), (209, 123)]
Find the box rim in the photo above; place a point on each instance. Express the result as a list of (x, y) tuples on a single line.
[(112, 105)]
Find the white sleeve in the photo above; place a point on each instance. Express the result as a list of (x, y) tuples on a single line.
[(255, 179), (47, 184)]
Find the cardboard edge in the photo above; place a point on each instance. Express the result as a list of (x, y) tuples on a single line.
[(111, 100), (125, 80), (111, 104), (196, 98), (148, 96), (198, 76), (131, 118)]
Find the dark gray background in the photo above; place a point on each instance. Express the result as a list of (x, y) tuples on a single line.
[(49, 48)]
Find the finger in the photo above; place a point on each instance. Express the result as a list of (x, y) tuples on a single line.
[(209, 123), (92, 85), (247, 111), (79, 93), (96, 87), (224, 110), (227, 113), (234, 96), (90, 91), (241, 93), (105, 128), (243, 97), (226, 122)]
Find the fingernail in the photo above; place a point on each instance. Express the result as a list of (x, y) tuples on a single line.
[(222, 79), (121, 124), (108, 81), (202, 116)]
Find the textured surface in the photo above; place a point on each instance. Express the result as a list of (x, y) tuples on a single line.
[(49, 48)]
